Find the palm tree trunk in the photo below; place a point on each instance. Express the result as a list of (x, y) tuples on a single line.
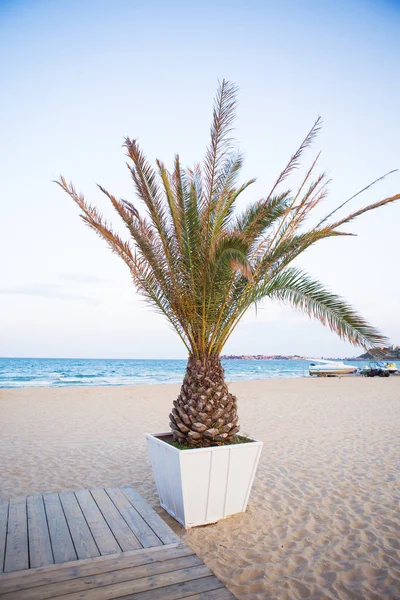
[(205, 412)]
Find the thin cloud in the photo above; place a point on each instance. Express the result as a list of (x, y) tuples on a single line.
[(42, 290), (81, 278)]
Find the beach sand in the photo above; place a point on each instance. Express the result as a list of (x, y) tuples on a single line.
[(323, 519)]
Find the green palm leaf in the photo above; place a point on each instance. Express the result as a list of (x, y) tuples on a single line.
[(296, 288)]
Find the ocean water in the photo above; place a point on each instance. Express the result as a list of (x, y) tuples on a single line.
[(64, 372)]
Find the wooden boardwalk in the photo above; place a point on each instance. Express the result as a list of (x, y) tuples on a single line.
[(96, 545)]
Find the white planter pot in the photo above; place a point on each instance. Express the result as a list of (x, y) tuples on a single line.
[(203, 485)]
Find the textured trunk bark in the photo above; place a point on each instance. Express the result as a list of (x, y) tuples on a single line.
[(205, 413)]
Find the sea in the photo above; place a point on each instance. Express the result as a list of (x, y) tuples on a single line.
[(65, 372)]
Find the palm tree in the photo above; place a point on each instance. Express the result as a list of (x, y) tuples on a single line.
[(202, 265)]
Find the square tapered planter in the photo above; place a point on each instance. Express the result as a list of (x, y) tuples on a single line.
[(203, 485)]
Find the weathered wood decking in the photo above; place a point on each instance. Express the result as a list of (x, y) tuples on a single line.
[(94, 545)]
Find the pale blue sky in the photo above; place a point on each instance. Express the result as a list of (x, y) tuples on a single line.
[(78, 76)]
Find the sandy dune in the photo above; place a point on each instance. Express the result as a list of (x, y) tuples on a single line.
[(324, 517)]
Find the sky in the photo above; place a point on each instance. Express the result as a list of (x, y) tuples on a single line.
[(79, 76)]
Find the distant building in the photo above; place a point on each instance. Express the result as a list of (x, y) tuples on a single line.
[(261, 357)]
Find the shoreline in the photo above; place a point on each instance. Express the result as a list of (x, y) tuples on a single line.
[(138, 385), (178, 383), (322, 519)]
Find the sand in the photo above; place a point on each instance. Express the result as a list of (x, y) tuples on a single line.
[(323, 519)]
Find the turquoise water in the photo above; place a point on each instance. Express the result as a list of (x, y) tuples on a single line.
[(64, 372)]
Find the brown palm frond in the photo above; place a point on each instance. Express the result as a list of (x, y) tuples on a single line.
[(316, 192), (95, 221), (126, 210), (294, 161), (221, 142), (361, 211), (364, 189), (147, 186), (295, 210)]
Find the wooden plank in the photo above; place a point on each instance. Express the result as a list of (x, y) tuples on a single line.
[(140, 528), (156, 523), (220, 594), (3, 531), (17, 556), (199, 587), (134, 494), (91, 566), (130, 587), (84, 584), (60, 537), (103, 536), (123, 534), (40, 552), (84, 543)]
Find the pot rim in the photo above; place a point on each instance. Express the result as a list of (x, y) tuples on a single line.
[(158, 436)]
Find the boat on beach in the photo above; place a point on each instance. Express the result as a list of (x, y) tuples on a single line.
[(391, 367), (379, 369), (330, 368)]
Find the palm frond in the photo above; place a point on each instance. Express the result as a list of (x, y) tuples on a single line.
[(363, 210), (294, 161), (261, 216), (364, 189), (220, 143), (91, 216), (298, 289), (147, 187)]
